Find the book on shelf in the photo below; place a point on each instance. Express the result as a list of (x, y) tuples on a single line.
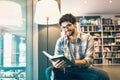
[(58, 57)]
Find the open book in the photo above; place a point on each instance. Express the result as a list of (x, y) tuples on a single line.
[(58, 57)]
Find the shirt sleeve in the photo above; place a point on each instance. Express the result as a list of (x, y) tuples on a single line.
[(89, 50), (58, 47)]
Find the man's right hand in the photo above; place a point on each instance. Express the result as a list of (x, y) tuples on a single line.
[(59, 63)]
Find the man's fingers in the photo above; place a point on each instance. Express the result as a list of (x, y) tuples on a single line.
[(60, 64)]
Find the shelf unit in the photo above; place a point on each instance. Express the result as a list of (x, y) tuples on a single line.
[(111, 41), (106, 34)]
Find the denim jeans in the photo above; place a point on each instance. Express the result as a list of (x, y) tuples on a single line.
[(75, 73)]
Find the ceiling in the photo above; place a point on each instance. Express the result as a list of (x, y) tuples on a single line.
[(85, 7), (78, 8)]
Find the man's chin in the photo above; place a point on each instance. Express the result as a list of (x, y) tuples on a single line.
[(69, 35)]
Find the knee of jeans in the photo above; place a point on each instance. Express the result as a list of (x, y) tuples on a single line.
[(48, 70)]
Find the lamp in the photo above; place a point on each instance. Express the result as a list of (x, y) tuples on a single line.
[(47, 13), (10, 13)]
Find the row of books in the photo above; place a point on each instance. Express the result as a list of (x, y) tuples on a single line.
[(97, 61), (97, 55), (99, 28), (91, 28), (106, 55), (107, 28), (107, 49), (92, 21), (110, 21), (117, 28), (106, 61)]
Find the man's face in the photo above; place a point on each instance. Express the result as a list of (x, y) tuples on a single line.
[(68, 28)]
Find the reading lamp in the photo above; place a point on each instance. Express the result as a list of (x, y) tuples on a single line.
[(47, 13)]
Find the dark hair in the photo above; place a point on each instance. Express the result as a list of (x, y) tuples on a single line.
[(67, 17)]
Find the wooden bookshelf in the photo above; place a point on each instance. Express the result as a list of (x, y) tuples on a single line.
[(106, 34)]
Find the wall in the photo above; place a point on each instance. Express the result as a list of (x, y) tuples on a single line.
[(53, 35)]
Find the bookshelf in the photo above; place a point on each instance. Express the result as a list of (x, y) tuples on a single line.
[(106, 34)]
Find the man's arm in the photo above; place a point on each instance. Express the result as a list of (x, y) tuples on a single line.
[(58, 51), (80, 62), (88, 55)]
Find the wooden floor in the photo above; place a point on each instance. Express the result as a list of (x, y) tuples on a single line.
[(112, 70)]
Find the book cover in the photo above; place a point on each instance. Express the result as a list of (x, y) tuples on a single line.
[(58, 57)]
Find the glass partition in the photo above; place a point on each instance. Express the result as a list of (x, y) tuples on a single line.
[(13, 39)]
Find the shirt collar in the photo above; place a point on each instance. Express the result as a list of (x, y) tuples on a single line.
[(78, 40)]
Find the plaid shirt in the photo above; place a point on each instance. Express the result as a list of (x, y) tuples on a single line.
[(83, 48)]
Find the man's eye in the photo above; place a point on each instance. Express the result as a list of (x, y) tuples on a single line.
[(64, 27), (67, 26)]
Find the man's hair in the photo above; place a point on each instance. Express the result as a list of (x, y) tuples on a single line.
[(67, 17)]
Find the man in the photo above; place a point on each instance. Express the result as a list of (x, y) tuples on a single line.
[(77, 47)]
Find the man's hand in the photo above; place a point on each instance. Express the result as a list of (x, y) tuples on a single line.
[(59, 63)]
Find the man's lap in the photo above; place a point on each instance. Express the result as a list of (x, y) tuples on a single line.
[(70, 73)]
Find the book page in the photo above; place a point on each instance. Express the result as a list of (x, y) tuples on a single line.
[(50, 56), (58, 57), (47, 54)]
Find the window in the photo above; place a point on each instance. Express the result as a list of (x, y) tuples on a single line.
[(13, 40)]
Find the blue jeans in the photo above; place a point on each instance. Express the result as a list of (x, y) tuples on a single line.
[(77, 73)]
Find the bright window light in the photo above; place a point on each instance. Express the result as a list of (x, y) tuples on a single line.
[(10, 13), (7, 49)]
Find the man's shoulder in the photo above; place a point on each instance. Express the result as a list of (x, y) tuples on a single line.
[(85, 35), (60, 39)]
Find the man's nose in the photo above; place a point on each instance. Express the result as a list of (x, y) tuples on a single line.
[(65, 29)]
